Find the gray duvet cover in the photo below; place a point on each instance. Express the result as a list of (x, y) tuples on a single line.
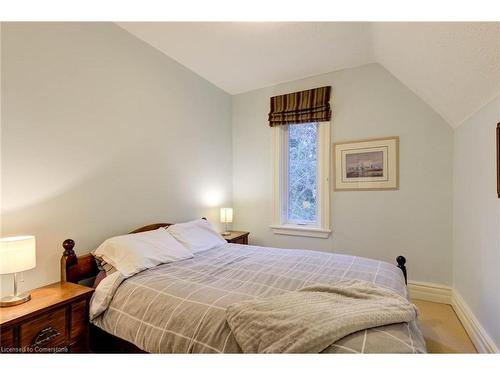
[(180, 307)]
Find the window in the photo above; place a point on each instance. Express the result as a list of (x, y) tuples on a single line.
[(302, 173), (301, 193)]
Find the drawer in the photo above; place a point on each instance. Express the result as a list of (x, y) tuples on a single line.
[(242, 240), (46, 331), (6, 338), (78, 319)]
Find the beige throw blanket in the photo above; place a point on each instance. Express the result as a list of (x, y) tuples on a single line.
[(312, 318)]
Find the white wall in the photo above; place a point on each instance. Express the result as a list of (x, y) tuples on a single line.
[(101, 134), (476, 213), (367, 102)]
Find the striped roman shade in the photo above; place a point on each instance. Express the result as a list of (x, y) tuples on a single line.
[(301, 107)]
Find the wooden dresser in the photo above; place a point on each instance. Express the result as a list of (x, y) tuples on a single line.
[(55, 320), (237, 237)]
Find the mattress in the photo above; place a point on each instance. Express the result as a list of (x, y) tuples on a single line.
[(180, 307)]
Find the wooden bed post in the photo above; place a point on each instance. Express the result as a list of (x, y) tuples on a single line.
[(69, 261), (401, 265), (77, 269)]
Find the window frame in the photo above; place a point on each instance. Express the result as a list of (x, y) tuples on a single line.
[(321, 228)]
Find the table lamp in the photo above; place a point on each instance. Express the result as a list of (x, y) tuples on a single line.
[(17, 254), (226, 217)]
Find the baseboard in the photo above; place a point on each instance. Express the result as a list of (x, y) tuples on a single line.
[(481, 340), (430, 292), (444, 294)]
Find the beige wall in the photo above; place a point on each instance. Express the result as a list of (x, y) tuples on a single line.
[(367, 102), (476, 214), (101, 133)]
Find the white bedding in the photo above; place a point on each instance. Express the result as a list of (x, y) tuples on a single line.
[(133, 253), (197, 235)]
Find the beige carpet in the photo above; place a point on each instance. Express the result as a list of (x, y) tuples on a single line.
[(442, 330)]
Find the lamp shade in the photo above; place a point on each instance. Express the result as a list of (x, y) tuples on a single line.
[(226, 215), (17, 254)]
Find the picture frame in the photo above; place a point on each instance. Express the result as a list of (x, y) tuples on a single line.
[(498, 159), (368, 164)]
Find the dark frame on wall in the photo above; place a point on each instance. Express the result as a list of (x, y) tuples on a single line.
[(498, 159)]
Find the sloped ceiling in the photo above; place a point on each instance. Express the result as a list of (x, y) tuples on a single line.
[(453, 67), (240, 57)]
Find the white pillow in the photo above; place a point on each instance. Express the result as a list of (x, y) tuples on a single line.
[(197, 235), (133, 253)]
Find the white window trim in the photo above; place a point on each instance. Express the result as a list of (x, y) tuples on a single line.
[(279, 226)]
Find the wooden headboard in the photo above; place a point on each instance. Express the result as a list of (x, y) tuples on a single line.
[(83, 269)]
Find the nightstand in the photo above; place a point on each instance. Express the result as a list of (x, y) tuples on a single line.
[(54, 320), (237, 237)]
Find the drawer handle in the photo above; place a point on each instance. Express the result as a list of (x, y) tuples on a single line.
[(45, 335)]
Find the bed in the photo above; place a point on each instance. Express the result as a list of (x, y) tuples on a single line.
[(180, 307)]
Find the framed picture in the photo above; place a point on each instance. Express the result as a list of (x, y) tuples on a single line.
[(371, 164), (498, 159)]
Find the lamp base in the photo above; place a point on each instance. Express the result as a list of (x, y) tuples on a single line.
[(226, 233), (15, 300)]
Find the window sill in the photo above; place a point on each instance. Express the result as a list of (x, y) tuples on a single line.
[(295, 230)]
